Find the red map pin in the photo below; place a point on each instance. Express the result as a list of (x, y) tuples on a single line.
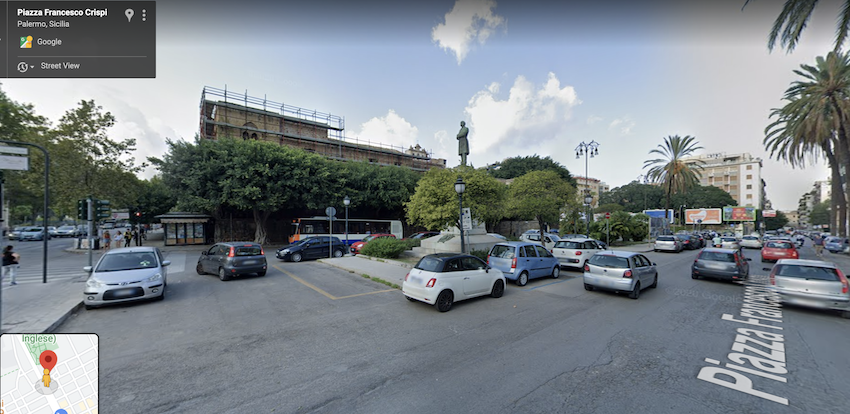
[(48, 360)]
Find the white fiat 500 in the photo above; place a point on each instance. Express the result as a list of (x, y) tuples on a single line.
[(444, 278)]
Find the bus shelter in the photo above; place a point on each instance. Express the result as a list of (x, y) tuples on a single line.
[(180, 229)]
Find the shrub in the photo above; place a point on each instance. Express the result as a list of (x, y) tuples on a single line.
[(386, 247), (481, 254), (411, 243)]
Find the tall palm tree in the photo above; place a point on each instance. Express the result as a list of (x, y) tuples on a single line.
[(794, 17), (671, 170)]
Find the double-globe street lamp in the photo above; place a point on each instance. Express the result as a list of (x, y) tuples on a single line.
[(460, 187), (587, 148), (347, 202)]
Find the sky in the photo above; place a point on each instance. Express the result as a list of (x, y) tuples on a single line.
[(528, 77)]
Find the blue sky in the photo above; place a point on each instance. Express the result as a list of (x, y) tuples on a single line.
[(528, 77)]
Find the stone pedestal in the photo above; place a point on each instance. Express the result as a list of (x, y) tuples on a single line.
[(449, 241)]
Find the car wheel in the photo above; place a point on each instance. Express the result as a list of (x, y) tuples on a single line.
[(199, 269), (556, 272), (635, 293), (845, 314), (222, 274), (444, 301), (522, 279), (410, 299), (337, 253), (498, 289), (296, 257), (654, 282), (587, 287), (694, 275), (162, 296), (261, 274)]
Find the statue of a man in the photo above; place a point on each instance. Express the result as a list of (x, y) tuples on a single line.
[(463, 143)]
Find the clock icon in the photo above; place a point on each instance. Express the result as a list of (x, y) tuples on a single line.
[(23, 66)]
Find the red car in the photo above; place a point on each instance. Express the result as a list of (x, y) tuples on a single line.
[(355, 248), (779, 249)]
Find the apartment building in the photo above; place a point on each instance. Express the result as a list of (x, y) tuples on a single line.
[(595, 186), (737, 174)]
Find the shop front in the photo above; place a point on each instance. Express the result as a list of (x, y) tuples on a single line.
[(187, 228)]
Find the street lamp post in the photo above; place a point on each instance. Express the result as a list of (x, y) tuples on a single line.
[(460, 187), (587, 148), (347, 202)]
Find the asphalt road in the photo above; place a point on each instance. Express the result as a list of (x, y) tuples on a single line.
[(309, 338)]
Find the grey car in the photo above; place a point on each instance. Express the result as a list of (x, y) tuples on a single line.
[(33, 233), (620, 271), (719, 263), (811, 283), (231, 259), (125, 275), (667, 243)]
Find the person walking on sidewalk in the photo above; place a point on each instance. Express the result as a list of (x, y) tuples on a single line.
[(117, 238), (128, 237), (10, 264), (818, 243), (107, 239), (137, 236)]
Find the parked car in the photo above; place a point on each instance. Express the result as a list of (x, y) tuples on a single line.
[(811, 283), (497, 235), (548, 239), (66, 231), (15, 234), (689, 241), (312, 248), (620, 271), (667, 243), (750, 242), (33, 233), (719, 263), (729, 243), (575, 252), (355, 247), (442, 279), (779, 249), (522, 261), (233, 259), (575, 236), (51, 230), (835, 244), (422, 235), (126, 274)]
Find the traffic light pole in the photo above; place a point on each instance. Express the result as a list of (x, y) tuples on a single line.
[(90, 226)]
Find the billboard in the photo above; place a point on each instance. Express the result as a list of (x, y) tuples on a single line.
[(739, 213), (707, 215), (660, 214)]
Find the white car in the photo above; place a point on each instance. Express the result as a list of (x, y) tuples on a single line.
[(444, 278), (575, 252), (124, 275), (729, 243), (549, 239), (750, 242)]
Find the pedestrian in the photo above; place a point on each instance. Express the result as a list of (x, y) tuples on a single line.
[(117, 238), (137, 237), (718, 242), (818, 243), (127, 238), (143, 231), (107, 239), (10, 264)]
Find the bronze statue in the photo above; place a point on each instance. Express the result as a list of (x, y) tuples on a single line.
[(463, 143)]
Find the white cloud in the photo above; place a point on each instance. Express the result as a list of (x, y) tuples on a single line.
[(391, 129), (468, 20), (593, 119), (623, 125), (528, 117)]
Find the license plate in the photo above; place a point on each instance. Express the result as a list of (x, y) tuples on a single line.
[(249, 262), (416, 280), (124, 292)]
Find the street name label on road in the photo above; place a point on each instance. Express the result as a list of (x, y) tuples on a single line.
[(35, 366)]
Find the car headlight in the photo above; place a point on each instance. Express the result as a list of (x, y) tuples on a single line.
[(93, 283), (154, 278), (284, 251)]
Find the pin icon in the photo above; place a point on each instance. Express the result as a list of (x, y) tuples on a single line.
[(48, 360), (129, 14)]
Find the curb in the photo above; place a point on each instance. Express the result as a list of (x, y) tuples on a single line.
[(63, 318), (388, 261)]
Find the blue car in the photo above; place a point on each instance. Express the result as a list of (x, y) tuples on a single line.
[(836, 244), (521, 261)]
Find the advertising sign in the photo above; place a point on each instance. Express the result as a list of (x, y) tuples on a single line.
[(660, 214), (707, 215), (768, 213), (739, 213)]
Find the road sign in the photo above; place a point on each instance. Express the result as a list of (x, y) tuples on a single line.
[(330, 212), (14, 150), (467, 219), (12, 162), (607, 216)]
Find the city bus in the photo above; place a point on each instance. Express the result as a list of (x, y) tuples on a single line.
[(357, 228)]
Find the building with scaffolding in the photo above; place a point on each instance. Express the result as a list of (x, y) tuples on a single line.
[(234, 115)]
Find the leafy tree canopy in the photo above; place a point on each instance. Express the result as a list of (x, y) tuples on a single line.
[(518, 166), (775, 223), (434, 205)]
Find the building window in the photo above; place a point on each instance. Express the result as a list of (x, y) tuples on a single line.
[(749, 186), (749, 196), (749, 167), (749, 176), (733, 187)]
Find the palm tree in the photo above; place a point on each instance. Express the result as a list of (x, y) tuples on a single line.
[(814, 123), (672, 171), (794, 17)]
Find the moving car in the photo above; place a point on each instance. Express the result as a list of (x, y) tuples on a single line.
[(232, 259), (15, 234), (689, 241), (575, 252), (521, 261), (423, 235), (66, 231), (729, 242), (312, 248), (620, 271), (126, 274), (750, 242), (779, 249), (33, 233), (667, 243), (355, 247), (835, 244), (811, 283), (444, 278), (719, 263)]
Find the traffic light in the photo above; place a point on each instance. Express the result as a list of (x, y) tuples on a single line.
[(101, 209), (83, 209)]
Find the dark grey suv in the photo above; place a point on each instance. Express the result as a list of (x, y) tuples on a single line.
[(233, 259)]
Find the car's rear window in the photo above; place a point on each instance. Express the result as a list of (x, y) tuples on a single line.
[(609, 261), (780, 245), (665, 238), (502, 251), (807, 272), (568, 245), (750, 238), (430, 264), (717, 257), (248, 251)]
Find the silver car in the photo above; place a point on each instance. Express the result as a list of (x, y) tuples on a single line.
[(811, 283), (668, 243), (620, 271), (126, 274), (729, 243)]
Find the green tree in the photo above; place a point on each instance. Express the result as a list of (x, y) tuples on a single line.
[(703, 196), (635, 197), (608, 208), (540, 196), (795, 15), (674, 175), (434, 204), (382, 190), (518, 166), (775, 223), (155, 198), (820, 213)]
